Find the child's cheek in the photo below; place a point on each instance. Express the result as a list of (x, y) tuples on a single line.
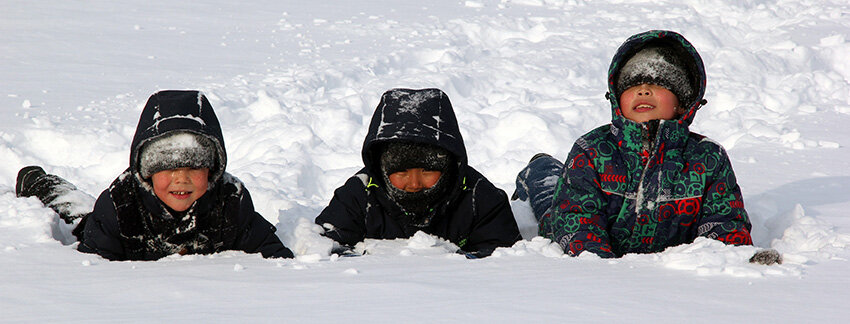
[(161, 181)]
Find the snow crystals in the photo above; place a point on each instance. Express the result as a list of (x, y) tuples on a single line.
[(410, 102)]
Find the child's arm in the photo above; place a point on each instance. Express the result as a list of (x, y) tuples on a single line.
[(256, 234), (575, 220), (495, 225), (723, 215), (344, 219), (100, 230)]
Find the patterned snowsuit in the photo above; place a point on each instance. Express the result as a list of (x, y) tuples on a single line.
[(632, 187)]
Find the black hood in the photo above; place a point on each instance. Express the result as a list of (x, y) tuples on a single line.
[(418, 116), (172, 111)]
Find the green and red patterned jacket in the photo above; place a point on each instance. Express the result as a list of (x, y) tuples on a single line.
[(632, 187)]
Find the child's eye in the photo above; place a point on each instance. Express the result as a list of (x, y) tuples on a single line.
[(431, 173)]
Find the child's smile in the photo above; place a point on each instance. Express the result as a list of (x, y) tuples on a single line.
[(645, 102), (181, 194), (643, 107), (180, 188)]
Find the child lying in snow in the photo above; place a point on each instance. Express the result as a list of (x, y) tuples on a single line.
[(644, 182), (174, 198), (416, 178)]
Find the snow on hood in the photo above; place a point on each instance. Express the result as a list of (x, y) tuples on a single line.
[(171, 111), (420, 116), (663, 38)]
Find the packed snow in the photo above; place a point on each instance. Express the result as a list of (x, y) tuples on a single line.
[(294, 85)]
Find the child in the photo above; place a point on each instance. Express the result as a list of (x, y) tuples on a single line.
[(644, 182), (416, 178), (174, 198)]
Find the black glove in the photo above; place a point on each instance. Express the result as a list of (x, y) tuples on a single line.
[(767, 257), (344, 250)]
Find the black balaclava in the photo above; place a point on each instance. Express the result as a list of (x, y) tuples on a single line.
[(400, 156)]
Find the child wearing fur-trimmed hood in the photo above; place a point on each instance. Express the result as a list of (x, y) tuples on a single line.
[(175, 197), (644, 182)]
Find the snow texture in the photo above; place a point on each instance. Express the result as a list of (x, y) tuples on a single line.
[(409, 102), (294, 85)]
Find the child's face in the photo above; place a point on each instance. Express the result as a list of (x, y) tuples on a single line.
[(415, 180), (179, 188), (647, 102)]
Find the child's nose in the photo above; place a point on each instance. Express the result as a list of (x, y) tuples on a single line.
[(180, 176), (644, 90), (415, 182)]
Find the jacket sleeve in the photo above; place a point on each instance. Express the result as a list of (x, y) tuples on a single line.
[(723, 215), (255, 234), (575, 219), (100, 233), (495, 225), (344, 218)]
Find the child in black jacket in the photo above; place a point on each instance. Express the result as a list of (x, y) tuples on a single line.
[(416, 178), (174, 198)]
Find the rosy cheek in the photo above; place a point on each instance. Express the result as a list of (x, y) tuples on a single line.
[(397, 181), (431, 178)]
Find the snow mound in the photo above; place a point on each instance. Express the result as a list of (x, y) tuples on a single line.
[(309, 244), (808, 239), (711, 257), (536, 246), (420, 244), (26, 221)]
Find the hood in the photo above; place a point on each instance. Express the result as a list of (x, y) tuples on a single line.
[(172, 111), (420, 116), (695, 68)]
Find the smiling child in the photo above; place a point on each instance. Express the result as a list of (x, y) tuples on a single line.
[(644, 182), (175, 197)]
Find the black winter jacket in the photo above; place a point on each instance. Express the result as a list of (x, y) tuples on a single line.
[(474, 215), (130, 223)]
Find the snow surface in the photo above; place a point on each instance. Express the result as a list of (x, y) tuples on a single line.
[(294, 85)]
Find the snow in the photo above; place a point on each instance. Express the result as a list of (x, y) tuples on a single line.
[(294, 85), (651, 64), (410, 101)]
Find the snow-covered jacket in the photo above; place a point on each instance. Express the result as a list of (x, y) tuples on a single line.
[(631, 187), (475, 215), (130, 223)]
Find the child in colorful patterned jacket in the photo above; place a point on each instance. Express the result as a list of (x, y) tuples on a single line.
[(644, 182)]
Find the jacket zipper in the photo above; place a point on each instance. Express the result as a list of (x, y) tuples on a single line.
[(648, 147)]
